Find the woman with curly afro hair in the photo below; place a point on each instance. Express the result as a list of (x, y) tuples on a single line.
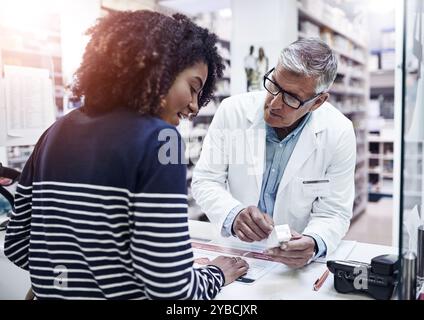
[(101, 205)]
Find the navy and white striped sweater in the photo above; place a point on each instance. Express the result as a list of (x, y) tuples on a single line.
[(98, 216)]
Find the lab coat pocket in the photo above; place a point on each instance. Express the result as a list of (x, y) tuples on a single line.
[(316, 188)]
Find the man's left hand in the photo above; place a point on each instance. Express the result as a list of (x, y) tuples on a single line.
[(296, 253)]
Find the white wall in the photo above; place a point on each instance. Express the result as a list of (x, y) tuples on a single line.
[(3, 156), (272, 26)]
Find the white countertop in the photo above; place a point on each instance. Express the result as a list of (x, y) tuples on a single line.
[(280, 283), (283, 283)]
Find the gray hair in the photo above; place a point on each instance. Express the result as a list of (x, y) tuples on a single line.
[(311, 57)]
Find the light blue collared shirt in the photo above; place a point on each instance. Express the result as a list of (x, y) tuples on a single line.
[(278, 153)]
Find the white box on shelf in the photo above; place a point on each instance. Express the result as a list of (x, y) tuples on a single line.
[(388, 60), (373, 63), (309, 29), (315, 7)]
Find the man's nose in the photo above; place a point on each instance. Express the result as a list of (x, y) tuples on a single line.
[(276, 102)]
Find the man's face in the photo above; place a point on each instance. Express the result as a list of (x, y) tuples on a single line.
[(277, 113)]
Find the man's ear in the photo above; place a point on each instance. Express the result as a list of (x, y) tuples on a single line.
[(320, 101)]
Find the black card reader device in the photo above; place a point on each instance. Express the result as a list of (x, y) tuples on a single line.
[(377, 279)]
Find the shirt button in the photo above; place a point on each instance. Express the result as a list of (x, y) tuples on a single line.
[(273, 170), (281, 145)]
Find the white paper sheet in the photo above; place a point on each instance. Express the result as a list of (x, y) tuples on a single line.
[(258, 246), (342, 252), (29, 100), (259, 265)]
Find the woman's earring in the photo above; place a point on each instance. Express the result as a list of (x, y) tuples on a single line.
[(162, 103)]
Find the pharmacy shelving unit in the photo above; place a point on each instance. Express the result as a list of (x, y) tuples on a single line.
[(380, 166), (382, 88), (380, 144), (39, 47), (194, 134), (350, 92)]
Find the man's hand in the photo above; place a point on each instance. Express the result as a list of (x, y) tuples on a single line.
[(252, 225), (296, 253)]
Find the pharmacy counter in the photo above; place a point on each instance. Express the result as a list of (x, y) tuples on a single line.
[(280, 283)]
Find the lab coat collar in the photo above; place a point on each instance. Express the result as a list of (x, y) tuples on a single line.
[(306, 145)]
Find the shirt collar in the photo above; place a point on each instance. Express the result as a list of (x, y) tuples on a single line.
[(272, 135)]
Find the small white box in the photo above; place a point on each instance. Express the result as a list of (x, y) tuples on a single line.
[(279, 235), (283, 233)]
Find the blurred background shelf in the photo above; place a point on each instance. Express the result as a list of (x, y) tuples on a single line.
[(350, 91)]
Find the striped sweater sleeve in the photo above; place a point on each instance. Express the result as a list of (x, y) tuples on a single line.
[(160, 244), (16, 245)]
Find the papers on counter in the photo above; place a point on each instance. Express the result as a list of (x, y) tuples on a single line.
[(342, 252), (259, 264)]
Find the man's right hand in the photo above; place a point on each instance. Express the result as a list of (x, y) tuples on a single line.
[(252, 225)]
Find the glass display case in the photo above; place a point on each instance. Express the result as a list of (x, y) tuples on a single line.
[(411, 143)]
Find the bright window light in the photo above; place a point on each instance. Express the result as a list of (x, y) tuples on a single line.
[(225, 13), (25, 14)]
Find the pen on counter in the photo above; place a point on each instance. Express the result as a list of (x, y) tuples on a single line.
[(320, 281)]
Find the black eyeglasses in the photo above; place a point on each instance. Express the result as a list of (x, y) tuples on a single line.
[(273, 88)]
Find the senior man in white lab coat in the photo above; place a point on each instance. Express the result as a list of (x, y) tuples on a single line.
[(282, 156)]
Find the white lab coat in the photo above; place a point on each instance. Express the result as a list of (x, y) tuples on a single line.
[(230, 169)]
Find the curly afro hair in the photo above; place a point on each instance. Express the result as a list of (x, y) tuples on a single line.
[(133, 58)]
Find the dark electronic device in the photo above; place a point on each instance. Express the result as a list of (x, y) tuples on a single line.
[(377, 279), (8, 177)]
